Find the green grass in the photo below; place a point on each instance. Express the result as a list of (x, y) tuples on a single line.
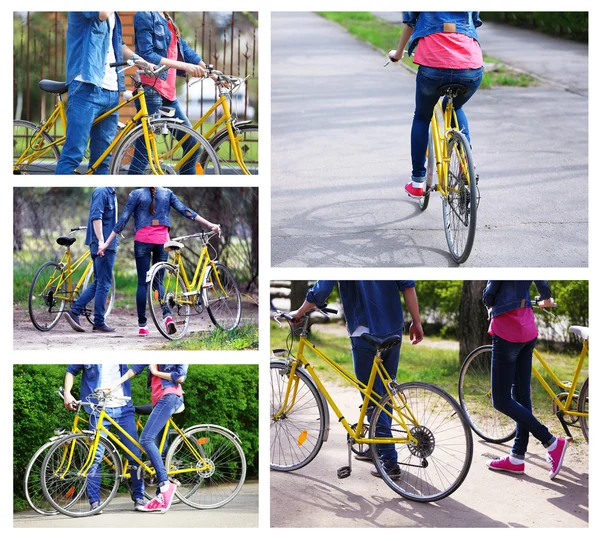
[(244, 337)]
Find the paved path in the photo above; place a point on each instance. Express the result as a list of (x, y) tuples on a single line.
[(241, 512), (340, 140), (315, 497)]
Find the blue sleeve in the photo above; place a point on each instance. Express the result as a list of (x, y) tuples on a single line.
[(180, 372), (138, 368), (405, 284), (97, 204), (181, 208), (91, 14), (543, 288), (189, 54), (132, 202), (319, 293), (476, 20), (490, 292), (144, 37), (410, 18), (74, 369)]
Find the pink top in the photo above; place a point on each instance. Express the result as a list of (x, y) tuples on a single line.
[(166, 88), (449, 50), (515, 326), (158, 392), (153, 234)]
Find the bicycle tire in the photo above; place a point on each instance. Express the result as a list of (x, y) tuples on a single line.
[(221, 143), (436, 467), (60, 484), (225, 311), (475, 396), (224, 479), (167, 134), (23, 131), (460, 205), (583, 406), (174, 290), (297, 436), (32, 485), (42, 298), (110, 299), (430, 171)]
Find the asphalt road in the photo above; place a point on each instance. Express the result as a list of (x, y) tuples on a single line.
[(340, 159)]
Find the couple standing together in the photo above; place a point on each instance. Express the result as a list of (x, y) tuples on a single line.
[(150, 208)]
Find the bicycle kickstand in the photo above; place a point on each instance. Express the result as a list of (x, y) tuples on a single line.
[(561, 418), (346, 471)]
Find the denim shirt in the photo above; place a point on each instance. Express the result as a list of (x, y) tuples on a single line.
[(506, 295), (175, 370), (138, 205), (103, 206), (87, 47), (91, 378), (425, 23), (374, 304), (152, 40)]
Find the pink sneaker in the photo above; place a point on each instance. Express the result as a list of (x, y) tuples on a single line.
[(162, 501), (410, 189), (143, 331), (555, 458), (170, 325), (504, 464)]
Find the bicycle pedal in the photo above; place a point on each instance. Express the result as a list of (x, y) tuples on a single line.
[(343, 472)]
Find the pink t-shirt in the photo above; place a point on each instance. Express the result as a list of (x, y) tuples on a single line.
[(166, 88), (515, 326), (158, 392), (450, 50), (153, 234)]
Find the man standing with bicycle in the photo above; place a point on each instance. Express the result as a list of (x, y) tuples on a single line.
[(102, 219), (101, 376), (94, 41)]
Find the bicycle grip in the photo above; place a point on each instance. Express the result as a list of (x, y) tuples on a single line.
[(118, 64), (329, 310)]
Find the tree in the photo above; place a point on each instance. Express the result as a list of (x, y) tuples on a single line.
[(472, 320)]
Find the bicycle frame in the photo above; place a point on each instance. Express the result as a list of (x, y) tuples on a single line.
[(66, 270), (400, 413)]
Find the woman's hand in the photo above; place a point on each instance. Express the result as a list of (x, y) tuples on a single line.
[(396, 56), (547, 303), (195, 70), (153, 369), (216, 228)]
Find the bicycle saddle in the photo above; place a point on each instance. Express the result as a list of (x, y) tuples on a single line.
[(65, 241), (456, 87), (584, 332), (144, 409), (173, 246), (53, 87), (383, 343)]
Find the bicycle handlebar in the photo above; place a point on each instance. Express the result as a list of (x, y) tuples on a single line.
[(203, 234), (80, 228)]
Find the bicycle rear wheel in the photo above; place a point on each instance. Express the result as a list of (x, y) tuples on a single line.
[(298, 432), (248, 145), (222, 297), (167, 297), (438, 464), (475, 395), (460, 206), (178, 149), (47, 296), (32, 483), (583, 407), (218, 466), (110, 298), (33, 149)]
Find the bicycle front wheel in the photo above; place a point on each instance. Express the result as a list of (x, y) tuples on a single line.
[(298, 429), (175, 150), (246, 144), (475, 395), (583, 407), (222, 297), (32, 483), (438, 463), (33, 150), (71, 484), (460, 205), (210, 465), (167, 298), (47, 296), (110, 298)]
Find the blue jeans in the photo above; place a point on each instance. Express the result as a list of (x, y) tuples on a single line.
[(145, 255), (140, 157), (427, 95), (86, 103), (511, 391), (363, 355), (161, 412), (98, 289), (126, 420)]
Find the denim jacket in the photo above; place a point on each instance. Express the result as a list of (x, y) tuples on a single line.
[(90, 380), (374, 304), (87, 47), (506, 295), (175, 370), (103, 206), (139, 202), (425, 23), (152, 40)]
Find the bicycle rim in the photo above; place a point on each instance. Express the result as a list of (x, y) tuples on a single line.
[(223, 299), (32, 483), (437, 465), (297, 431), (230, 154), (47, 296), (33, 149), (166, 298), (583, 407)]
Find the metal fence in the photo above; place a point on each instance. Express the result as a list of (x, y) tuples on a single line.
[(226, 40)]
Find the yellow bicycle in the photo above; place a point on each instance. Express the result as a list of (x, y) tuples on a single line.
[(53, 288), (212, 287), (419, 423)]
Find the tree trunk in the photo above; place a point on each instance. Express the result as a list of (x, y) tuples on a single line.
[(18, 203), (473, 319), (297, 293)]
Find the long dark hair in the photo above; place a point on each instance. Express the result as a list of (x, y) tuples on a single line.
[(170, 19), (153, 193)]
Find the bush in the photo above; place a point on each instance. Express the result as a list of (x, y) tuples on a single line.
[(571, 25)]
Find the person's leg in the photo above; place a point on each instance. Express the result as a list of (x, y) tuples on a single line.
[(139, 161), (143, 253), (126, 419), (190, 167), (103, 268), (103, 133), (471, 79), (93, 474), (159, 254)]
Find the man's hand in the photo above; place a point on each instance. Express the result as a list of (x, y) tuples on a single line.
[(102, 246), (415, 332), (69, 401)]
